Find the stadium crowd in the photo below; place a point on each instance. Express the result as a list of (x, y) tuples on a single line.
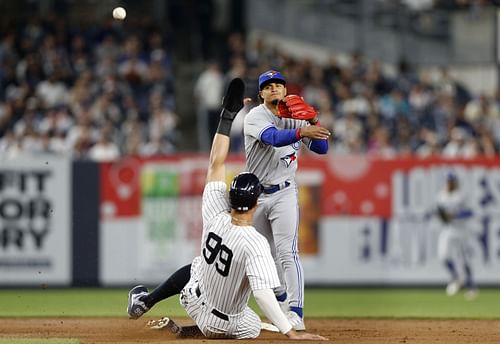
[(369, 110), (98, 93), (87, 92)]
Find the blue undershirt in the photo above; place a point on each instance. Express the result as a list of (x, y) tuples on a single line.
[(463, 214), (284, 137)]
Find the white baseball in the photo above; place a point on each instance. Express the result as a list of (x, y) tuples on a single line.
[(119, 13)]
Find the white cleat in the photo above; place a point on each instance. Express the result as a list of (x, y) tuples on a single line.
[(296, 321), (471, 294), (453, 287)]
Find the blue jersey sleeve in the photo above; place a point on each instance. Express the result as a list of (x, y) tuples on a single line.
[(279, 138), (319, 146)]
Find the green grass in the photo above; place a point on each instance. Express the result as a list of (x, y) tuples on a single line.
[(40, 341), (331, 303)]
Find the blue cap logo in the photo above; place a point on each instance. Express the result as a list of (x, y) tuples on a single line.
[(273, 75)]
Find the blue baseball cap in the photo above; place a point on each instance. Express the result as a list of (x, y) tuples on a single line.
[(451, 176), (271, 76)]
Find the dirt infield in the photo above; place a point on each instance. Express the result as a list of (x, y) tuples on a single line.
[(357, 331)]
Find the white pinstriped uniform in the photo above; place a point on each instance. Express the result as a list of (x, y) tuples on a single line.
[(277, 216), (234, 261), (453, 239)]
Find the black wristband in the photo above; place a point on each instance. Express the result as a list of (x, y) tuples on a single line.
[(225, 122), (224, 127), (226, 114)]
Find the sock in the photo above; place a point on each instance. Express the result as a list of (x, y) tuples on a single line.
[(297, 310), (281, 298), (172, 286), (451, 268), (469, 284)]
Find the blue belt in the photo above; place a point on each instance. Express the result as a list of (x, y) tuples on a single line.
[(273, 188)]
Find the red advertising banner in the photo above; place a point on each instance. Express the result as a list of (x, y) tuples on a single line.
[(350, 185), (363, 219)]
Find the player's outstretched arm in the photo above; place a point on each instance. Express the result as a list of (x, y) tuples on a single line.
[(231, 105), (267, 302), (218, 155)]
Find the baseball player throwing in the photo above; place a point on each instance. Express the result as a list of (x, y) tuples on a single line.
[(274, 131), (453, 239), (235, 259)]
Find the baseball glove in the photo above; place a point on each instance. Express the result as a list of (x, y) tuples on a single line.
[(295, 107), (232, 102), (443, 215)]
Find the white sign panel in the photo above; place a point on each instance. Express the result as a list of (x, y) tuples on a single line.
[(35, 232), (402, 250)]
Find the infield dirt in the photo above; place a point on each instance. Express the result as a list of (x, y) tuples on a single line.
[(359, 331)]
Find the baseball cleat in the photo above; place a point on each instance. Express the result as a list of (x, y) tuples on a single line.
[(296, 321), (136, 306), (164, 324), (471, 294), (453, 287)]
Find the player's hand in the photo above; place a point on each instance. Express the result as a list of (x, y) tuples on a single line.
[(304, 336), (315, 132)]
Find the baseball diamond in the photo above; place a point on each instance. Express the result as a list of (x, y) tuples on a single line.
[(360, 331), (362, 315)]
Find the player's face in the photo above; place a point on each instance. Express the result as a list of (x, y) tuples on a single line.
[(273, 92)]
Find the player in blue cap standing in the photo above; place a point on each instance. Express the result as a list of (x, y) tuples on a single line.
[(454, 238), (274, 132)]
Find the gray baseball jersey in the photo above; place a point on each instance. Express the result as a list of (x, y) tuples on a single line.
[(272, 165), (234, 261)]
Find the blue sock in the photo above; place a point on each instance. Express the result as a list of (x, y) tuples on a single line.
[(469, 283), (281, 298), (297, 310), (451, 268)]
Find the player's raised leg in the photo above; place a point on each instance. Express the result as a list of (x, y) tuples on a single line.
[(141, 301)]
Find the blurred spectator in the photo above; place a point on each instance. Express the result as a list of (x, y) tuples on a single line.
[(156, 145), (379, 144), (52, 92), (105, 149), (461, 145), (208, 92), (163, 122), (429, 146), (9, 146)]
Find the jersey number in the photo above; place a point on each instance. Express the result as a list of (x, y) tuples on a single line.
[(213, 249)]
